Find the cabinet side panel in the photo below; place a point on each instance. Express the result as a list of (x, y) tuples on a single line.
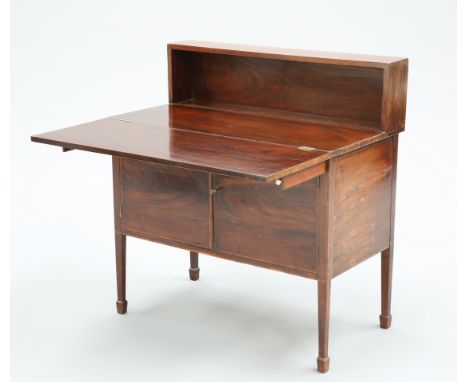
[(394, 96), (363, 194), (179, 75), (165, 201), (261, 222)]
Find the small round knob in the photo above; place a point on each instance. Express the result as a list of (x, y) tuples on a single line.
[(278, 182)]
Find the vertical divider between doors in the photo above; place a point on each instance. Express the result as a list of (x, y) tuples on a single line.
[(211, 186)]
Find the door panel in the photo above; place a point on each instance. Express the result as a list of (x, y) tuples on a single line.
[(165, 201), (262, 222)]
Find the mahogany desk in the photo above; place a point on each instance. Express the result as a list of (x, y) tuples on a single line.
[(283, 159)]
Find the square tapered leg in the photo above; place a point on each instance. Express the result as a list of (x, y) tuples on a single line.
[(194, 271)]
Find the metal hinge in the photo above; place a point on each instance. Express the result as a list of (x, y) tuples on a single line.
[(306, 148)]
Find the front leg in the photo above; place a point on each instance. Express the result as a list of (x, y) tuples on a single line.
[(120, 261), (194, 270), (325, 222), (120, 239), (386, 288), (323, 287)]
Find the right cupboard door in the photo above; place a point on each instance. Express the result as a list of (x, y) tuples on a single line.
[(260, 221)]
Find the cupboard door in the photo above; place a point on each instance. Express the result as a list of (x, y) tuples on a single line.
[(262, 222), (165, 201)]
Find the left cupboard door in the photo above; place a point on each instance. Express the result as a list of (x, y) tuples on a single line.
[(165, 202)]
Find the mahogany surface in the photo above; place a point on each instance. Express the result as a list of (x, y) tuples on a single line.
[(262, 222), (227, 143), (303, 87), (278, 158), (166, 201), (362, 204)]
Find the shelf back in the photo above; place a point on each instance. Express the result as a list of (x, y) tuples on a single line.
[(339, 91)]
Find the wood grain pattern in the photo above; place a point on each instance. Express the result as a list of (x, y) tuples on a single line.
[(240, 157), (394, 96), (165, 201), (278, 158), (257, 124), (367, 90), (302, 176), (263, 222), (362, 205), (287, 85), (221, 255)]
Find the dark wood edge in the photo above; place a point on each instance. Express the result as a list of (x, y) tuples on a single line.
[(393, 195), (65, 149), (325, 225), (211, 187), (117, 183), (333, 58), (395, 84), (223, 255), (302, 176), (268, 179), (169, 75)]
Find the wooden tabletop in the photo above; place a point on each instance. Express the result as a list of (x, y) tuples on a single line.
[(245, 142)]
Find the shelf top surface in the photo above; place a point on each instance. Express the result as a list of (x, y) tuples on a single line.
[(245, 142), (320, 57)]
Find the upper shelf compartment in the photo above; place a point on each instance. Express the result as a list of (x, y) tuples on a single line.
[(256, 113), (358, 90)]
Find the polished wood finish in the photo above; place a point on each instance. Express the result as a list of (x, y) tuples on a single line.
[(262, 222), (288, 85), (216, 153), (165, 201), (256, 124), (255, 146), (356, 89), (223, 255), (362, 205), (278, 158), (394, 96), (194, 271), (301, 176)]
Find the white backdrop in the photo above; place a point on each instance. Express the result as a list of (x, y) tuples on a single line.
[(75, 61)]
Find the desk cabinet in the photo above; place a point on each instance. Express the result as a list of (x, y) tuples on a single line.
[(277, 158)]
